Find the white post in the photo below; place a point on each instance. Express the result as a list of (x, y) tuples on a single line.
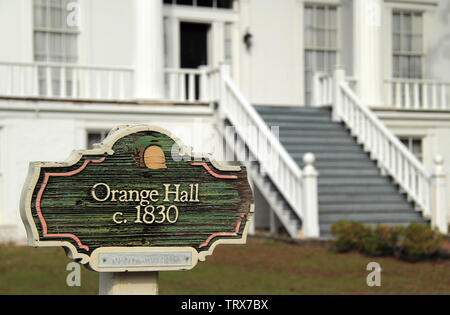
[(368, 50), (204, 84), (316, 91), (311, 203), (338, 78), (440, 202), (225, 72), (128, 283), (148, 50)]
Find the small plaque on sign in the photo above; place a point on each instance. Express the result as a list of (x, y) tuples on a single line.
[(162, 259)]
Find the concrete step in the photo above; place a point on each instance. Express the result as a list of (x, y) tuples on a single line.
[(362, 207)]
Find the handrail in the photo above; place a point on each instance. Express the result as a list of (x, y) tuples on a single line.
[(384, 146), (67, 65), (281, 168)]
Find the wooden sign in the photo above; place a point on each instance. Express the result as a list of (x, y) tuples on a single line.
[(138, 201)]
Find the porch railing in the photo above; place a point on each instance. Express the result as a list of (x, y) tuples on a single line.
[(417, 94), (65, 81), (191, 85), (390, 153)]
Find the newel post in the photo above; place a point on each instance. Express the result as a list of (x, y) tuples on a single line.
[(439, 196), (338, 78), (224, 73), (311, 203)]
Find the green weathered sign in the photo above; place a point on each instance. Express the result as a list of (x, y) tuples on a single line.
[(138, 201)]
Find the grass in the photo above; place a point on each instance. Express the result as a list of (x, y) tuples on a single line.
[(261, 267)]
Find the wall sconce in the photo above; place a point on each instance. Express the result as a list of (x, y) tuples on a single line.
[(248, 40)]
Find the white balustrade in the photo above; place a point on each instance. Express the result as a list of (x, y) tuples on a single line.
[(417, 94), (192, 85), (390, 153), (65, 81)]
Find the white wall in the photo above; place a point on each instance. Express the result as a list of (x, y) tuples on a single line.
[(106, 32), (272, 71), (16, 30), (437, 61)]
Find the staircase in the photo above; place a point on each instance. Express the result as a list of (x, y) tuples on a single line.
[(350, 184)]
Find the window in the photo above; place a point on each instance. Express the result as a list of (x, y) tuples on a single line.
[(220, 4), (320, 40), (95, 137), (54, 41), (228, 43), (414, 145), (407, 44)]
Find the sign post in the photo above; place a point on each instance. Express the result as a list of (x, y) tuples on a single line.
[(136, 204)]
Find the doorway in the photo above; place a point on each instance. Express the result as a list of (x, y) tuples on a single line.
[(193, 45), (193, 53)]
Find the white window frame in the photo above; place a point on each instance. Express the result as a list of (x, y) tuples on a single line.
[(409, 145), (403, 53), (337, 49), (174, 15), (427, 7)]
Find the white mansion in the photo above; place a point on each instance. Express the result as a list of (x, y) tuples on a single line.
[(364, 85)]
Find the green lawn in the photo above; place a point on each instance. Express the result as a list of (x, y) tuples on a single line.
[(260, 267)]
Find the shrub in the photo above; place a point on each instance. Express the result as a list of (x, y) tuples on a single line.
[(349, 235), (382, 241), (419, 241)]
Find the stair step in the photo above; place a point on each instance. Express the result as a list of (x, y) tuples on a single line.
[(338, 172), (262, 109), (323, 148), (377, 217), (305, 133), (300, 140), (363, 207), (278, 119), (361, 197), (353, 181), (333, 156), (347, 164), (338, 189), (338, 128)]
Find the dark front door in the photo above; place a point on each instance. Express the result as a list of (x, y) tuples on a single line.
[(193, 45)]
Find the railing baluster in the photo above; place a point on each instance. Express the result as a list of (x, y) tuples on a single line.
[(425, 95), (443, 97), (416, 96), (434, 96), (407, 96)]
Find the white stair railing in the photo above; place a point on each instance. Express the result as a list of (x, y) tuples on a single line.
[(391, 154), (272, 156)]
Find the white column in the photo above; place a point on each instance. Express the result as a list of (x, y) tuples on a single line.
[(368, 50), (310, 197), (149, 50), (439, 194)]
